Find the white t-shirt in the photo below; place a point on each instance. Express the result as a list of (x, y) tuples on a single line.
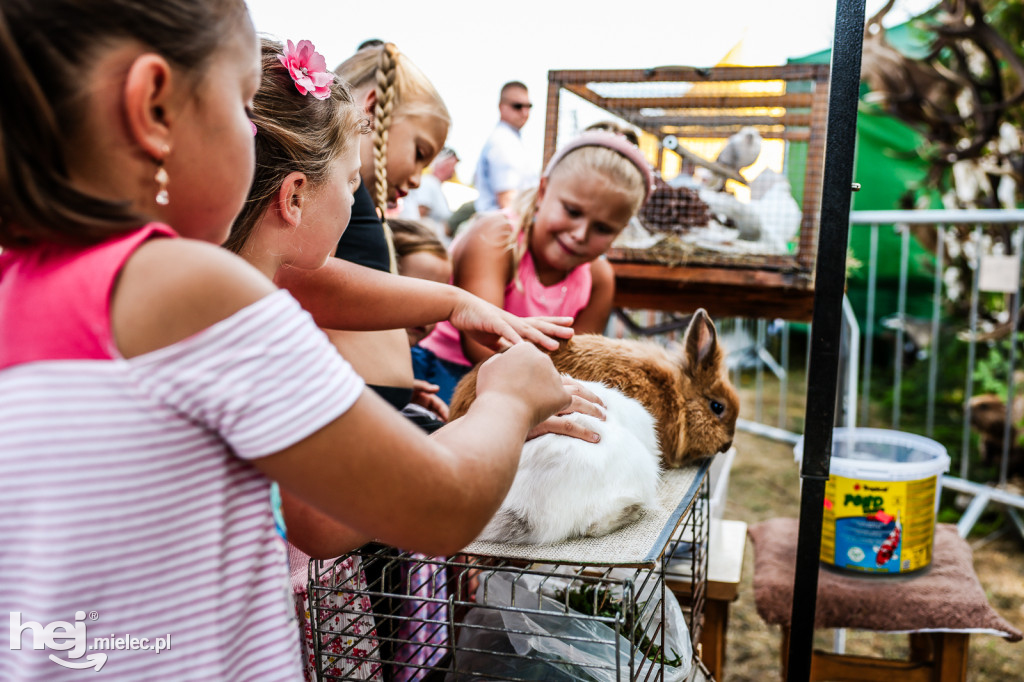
[(503, 166), (430, 196)]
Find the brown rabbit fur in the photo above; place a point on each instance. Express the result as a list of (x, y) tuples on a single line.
[(681, 393)]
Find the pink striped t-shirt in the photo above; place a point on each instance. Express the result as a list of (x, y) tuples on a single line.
[(128, 507), (527, 298)]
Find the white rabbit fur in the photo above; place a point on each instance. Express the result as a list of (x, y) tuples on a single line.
[(566, 487)]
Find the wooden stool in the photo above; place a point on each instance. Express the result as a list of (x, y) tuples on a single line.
[(939, 607), (727, 542), (934, 657)]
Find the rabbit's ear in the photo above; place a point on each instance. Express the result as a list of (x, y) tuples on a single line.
[(701, 340)]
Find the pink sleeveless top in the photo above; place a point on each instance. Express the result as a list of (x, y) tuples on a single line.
[(70, 292), (526, 298)]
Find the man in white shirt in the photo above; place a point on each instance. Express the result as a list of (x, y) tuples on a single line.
[(504, 167)]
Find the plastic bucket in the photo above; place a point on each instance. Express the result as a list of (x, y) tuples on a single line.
[(880, 501)]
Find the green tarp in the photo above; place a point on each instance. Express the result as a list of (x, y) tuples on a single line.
[(887, 165)]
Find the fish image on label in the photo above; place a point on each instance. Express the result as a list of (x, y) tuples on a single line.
[(885, 552)]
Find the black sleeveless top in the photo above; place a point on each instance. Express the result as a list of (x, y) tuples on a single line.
[(363, 241)]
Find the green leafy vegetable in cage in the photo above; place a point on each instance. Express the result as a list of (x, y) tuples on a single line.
[(597, 601)]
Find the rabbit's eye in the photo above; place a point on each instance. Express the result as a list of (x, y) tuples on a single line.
[(717, 407)]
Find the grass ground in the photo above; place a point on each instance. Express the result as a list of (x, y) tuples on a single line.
[(764, 483)]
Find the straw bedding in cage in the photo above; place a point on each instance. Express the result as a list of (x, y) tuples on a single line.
[(639, 544), (673, 251)]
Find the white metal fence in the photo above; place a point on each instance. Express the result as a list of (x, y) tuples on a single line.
[(936, 289), (975, 259)]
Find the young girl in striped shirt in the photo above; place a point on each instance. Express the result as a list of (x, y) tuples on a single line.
[(152, 384)]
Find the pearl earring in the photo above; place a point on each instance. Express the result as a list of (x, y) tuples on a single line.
[(162, 196)]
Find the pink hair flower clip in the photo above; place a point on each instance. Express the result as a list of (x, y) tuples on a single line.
[(308, 69)]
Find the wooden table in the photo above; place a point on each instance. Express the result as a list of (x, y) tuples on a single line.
[(722, 291), (726, 545)]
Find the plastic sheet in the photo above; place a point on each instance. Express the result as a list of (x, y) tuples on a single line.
[(520, 630)]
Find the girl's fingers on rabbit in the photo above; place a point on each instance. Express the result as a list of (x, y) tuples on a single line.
[(484, 322), (492, 338), (423, 394), (420, 386), (587, 407), (563, 427), (547, 332), (578, 389), (437, 406)]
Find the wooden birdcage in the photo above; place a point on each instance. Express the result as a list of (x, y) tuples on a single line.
[(697, 110)]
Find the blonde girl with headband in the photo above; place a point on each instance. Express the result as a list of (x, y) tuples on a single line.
[(153, 384), (547, 258)]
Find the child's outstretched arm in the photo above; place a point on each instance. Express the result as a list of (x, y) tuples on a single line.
[(389, 301), (593, 319), (431, 494), (315, 533), (370, 469)]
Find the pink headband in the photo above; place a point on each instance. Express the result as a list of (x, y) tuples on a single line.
[(608, 140)]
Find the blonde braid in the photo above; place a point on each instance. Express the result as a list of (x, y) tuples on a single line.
[(386, 95)]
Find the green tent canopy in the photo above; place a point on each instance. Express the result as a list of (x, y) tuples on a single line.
[(887, 165)]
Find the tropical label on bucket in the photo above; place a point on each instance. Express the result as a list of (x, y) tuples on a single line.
[(878, 526)]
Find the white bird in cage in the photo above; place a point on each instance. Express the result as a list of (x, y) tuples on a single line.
[(740, 151)]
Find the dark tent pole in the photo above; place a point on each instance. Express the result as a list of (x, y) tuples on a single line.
[(826, 324)]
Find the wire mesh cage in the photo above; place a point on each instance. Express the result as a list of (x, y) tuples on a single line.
[(740, 153), (378, 613)]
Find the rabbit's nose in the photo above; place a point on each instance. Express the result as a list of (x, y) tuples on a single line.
[(725, 448)]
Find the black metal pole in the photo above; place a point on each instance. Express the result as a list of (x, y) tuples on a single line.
[(826, 324)]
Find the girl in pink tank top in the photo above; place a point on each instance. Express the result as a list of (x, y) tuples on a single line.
[(545, 260)]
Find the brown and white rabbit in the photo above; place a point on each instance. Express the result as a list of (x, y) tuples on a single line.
[(683, 407), (566, 487), (693, 403)]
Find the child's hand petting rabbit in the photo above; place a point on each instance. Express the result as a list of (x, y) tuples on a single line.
[(662, 410), (490, 326)]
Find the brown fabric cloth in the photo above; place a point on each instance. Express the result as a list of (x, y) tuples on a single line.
[(947, 596)]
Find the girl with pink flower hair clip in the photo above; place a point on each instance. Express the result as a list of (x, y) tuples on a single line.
[(307, 169), (409, 122), (275, 231)]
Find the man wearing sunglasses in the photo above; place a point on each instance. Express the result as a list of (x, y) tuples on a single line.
[(504, 167)]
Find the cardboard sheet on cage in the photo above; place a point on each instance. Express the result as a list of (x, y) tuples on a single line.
[(639, 544)]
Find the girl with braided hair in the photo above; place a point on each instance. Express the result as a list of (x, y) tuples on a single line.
[(409, 122)]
